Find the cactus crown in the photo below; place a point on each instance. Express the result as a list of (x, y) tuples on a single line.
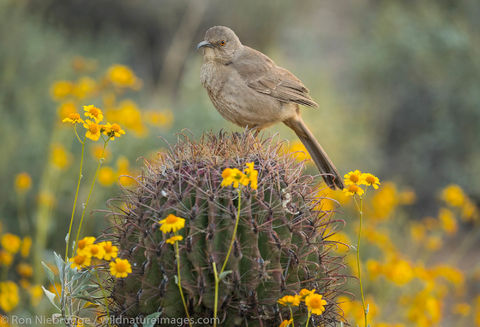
[(280, 246)]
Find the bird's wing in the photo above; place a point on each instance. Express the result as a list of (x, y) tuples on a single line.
[(261, 74)]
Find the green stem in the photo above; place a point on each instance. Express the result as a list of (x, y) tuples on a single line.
[(291, 315), (179, 281), (75, 200), (308, 317), (232, 241), (104, 297), (358, 261), (215, 305), (90, 193)]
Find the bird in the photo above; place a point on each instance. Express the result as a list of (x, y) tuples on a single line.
[(250, 90)]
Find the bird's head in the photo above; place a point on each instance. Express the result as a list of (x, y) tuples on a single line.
[(220, 44)]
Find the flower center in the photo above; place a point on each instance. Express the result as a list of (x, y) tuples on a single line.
[(94, 111), (171, 219), (354, 178), (353, 188), (370, 179), (79, 259), (315, 302), (116, 128), (82, 244), (121, 267), (94, 249), (93, 128)]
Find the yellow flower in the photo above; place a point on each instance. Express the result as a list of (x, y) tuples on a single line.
[(251, 174), (353, 189), (36, 294), (123, 172), (106, 176), (120, 268), (59, 157), (84, 243), (5, 258), (290, 300), (315, 303), (73, 118), (304, 293), (113, 130), (171, 224), (159, 118), (286, 323), (84, 87), (61, 89), (93, 112), (233, 176), (448, 221), (4, 321), (453, 195), (399, 271), (353, 178), (172, 240), (94, 250), (370, 180), (122, 76), (25, 270), (80, 261), (93, 130), (111, 251), (65, 109), (96, 151), (23, 182), (340, 242), (11, 243), (129, 116), (8, 296), (374, 269), (298, 151)]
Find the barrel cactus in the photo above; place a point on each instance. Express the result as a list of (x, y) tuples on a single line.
[(280, 246)]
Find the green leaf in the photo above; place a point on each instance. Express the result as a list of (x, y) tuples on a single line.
[(50, 274), (151, 319), (51, 297), (224, 274)]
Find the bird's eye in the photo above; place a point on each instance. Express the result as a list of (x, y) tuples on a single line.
[(222, 43)]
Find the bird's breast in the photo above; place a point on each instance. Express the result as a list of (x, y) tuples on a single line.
[(236, 101)]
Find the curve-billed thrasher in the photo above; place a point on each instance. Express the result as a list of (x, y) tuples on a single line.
[(248, 89)]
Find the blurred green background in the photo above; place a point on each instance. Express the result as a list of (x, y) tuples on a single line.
[(398, 84)]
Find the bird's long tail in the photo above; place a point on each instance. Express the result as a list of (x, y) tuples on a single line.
[(319, 156)]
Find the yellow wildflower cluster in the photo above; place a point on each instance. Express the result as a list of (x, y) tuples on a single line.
[(354, 180), (88, 250), (455, 197), (9, 296), (429, 294), (114, 82), (93, 127), (13, 253), (236, 177), (107, 175), (315, 303)]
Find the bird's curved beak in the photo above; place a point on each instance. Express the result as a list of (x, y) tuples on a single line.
[(204, 44)]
